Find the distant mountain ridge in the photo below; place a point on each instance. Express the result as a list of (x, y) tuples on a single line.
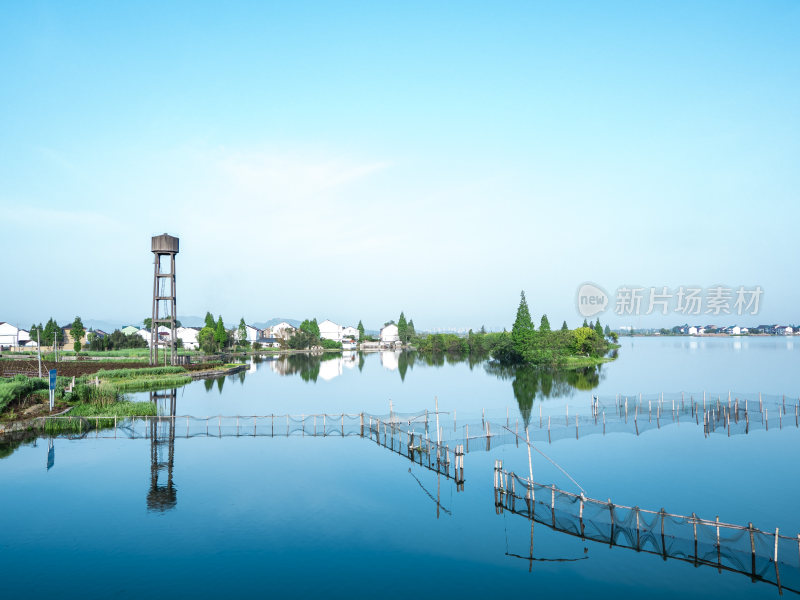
[(186, 320), (275, 321)]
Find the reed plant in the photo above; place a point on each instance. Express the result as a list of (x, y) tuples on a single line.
[(89, 416), (18, 388)]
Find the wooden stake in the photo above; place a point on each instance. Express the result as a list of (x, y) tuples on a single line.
[(530, 461)]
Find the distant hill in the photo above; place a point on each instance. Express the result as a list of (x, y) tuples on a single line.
[(190, 321), (103, 324), (271, 322), (110, 326)]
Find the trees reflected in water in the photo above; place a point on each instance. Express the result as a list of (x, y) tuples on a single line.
[(527, 383), (530, 383)]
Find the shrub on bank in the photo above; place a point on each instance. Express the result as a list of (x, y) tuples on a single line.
[(18, 388)]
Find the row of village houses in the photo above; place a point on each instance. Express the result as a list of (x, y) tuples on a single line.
[(737, 330), (270, 337)]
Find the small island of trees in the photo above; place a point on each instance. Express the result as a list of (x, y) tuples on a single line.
[(526, 345)]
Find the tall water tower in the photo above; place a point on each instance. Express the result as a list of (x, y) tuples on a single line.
[(164, 247)]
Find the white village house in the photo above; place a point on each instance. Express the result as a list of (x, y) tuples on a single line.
[(252, 333), (188, 335), (328, 330), (350, 332), (145, 333), (389, 334), (11, 335), (282, 330)]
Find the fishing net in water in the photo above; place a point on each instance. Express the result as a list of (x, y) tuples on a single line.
[(763, 556)]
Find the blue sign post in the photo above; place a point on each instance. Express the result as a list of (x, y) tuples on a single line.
[(52, 388)]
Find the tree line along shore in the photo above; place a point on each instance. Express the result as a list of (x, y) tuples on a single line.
[(93, 387)]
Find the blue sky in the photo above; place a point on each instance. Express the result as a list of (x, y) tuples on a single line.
[(351, 160)]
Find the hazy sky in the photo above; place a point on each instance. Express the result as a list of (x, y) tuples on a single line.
[(352, 160)]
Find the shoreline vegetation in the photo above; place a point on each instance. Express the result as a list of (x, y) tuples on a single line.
[(93, 388), (524, 345), (24, 399)]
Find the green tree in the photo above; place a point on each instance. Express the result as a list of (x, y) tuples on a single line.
[(311, 327), (241, 334), (206, 340), (402, 328), (360, 328), (586, 341), (412, 332), (307, 336), (210, 320), (522, 331), (220, 335), (585, 324), (51, 332), (37, 330), (599, 329), (544, 326), (607, 331), (564, 326), (77, 330)]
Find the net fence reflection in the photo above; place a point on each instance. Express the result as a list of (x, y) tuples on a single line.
[(402, 433), (764, 556)]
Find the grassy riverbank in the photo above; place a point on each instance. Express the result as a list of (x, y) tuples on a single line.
[(140, 380), (99, 394), (85, 416)]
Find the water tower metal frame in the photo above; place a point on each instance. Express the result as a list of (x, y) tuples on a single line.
[(164, 246)]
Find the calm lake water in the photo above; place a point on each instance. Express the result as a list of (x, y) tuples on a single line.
[(342, 517)]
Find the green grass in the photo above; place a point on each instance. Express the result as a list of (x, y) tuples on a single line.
[(576, 362), (126, 352), (121, 352), (150, 383), (86, 416), (135, 373), (140, 380), (18, 388)]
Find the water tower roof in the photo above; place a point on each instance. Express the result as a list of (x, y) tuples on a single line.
[(165, 243)]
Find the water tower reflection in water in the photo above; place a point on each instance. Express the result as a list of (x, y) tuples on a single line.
[(162, 495)]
